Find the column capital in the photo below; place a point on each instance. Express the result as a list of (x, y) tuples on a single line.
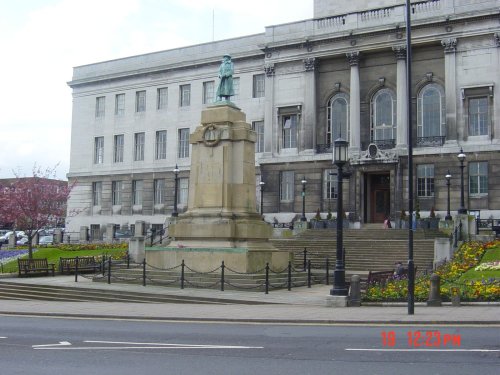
[(269, 69), (311, 64), (400, 52), (450, 45), (496, 36), (353, 58)]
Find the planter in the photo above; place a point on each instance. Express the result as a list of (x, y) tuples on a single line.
[(331, 224), (402, 224), (433, 223), (317, 224)]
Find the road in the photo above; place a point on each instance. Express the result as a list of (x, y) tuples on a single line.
[(32, 345)]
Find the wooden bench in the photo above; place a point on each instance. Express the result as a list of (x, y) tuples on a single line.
[(35, 266), (85, 264), (379, 277)]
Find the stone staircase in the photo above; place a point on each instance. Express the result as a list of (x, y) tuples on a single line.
[(371, 248)]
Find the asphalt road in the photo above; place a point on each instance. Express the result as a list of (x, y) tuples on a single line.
[(93, 346)]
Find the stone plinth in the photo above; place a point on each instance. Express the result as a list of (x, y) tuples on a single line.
[(221, 222)]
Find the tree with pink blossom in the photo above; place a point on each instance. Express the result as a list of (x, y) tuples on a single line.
[(33, 203)]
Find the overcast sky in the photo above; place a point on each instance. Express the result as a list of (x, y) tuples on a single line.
[(42, 40)]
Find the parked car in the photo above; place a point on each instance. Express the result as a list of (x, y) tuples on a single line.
[(22, 240), (5, 238), (123, 233), (45, 240)]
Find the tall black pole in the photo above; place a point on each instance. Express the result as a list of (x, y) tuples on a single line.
[(461, 157), (303, 218), (339, 286), (262, 183), (176, 187), (448, 178), (411, 269)]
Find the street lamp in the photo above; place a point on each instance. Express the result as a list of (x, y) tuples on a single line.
[(448, 178), (304, 182), (261, 184), (461, 157), (176, 172), (339, 158)]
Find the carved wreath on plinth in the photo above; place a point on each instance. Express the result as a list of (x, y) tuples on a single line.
[(211, 136)]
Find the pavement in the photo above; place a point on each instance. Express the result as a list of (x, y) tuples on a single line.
[(299, 306)]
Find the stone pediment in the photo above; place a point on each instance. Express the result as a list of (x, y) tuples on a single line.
[(373, 154)]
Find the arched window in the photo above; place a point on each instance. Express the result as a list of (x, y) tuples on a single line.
[(431, 111), (383, 116), (338, 118)]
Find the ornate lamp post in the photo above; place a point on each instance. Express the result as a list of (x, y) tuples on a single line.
[(176, 186), (261, 184), (461, 157), (448, 178), (304, 182), (339, 159)]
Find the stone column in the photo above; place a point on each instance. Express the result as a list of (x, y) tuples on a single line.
[(84, 230), (269, 118), (355, 104), (402, 98), (452, 131), (110, 231), (58, 235), (307, 130), (139, 228)]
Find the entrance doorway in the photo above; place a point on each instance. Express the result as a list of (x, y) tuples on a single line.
[(380, 197)]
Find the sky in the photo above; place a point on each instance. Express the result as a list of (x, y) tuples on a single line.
[(42, 40)]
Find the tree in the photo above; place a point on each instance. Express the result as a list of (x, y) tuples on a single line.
[(33, 203)]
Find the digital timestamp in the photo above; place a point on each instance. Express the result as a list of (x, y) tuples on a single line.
[(422, 339)]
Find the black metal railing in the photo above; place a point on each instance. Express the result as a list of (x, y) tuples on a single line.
[(382, 144), (434, 141), (326, 148)]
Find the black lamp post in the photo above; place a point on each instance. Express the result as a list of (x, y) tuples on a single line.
[(261, 184), (339, 159), (304, 182), (176, 172), (461, 157), (448, 178)]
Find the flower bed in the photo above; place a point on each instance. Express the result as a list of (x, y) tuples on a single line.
[(466, 257)]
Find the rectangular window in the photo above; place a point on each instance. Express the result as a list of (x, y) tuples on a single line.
[(287, 186), (120, 104), (96, 193), (259, 85), (100, 104), (236, 88), (425, 180), (118, 148), (140, 101), (289, 131), (183, 151), (330, 184), (258, 127), (116, 192), (161, 145), (98, 150), (208, 92), (137, 192), (162, 98), (478, 116), (183, 191), (185, 95), (478, 178), (159, 191), (139, 139)]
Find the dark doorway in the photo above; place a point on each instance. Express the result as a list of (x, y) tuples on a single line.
[(380, 197)]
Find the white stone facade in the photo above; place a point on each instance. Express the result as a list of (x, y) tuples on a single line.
[(351, 49)]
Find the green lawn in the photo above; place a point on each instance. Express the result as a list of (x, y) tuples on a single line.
[(53, 255), (490, 255)]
